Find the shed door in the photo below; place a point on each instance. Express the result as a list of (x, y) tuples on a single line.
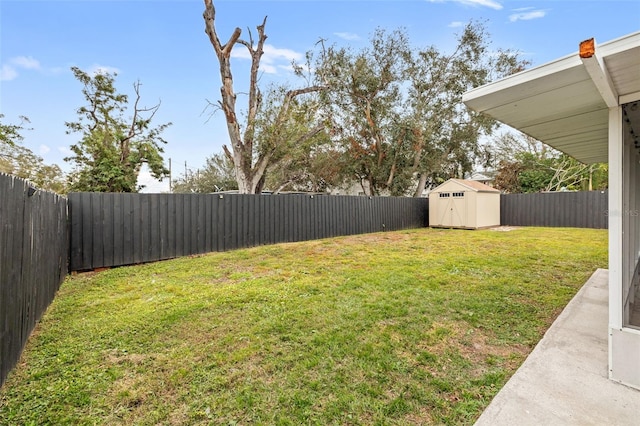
[(453, 209)]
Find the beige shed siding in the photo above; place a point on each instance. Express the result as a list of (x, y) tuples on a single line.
[(466, 204), (472, 206), (488, 210)]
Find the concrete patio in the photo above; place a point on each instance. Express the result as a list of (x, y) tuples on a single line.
[(564, 380)]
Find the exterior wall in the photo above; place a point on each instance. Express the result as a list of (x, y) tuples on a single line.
[(630, 223), (351, 188), (473, 200), (625, 357), (488, 209), (624, 246)]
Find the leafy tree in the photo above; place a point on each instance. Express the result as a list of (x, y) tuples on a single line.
[(20, 161), (10, 133), (527, 165), (113, 147), (598, 177), (270, 128), (363, 99), (518, 158), (296, 142), (217, 175), (448, 132), (398, 111), (315, 170)]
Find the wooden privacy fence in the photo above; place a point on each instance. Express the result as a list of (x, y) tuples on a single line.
[(586, 209), (40, 232), (34, 248), (122, 229)]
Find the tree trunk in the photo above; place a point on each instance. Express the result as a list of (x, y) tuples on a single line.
[(250, 175), (244, 185), (242, 149), (282, 187), (422, 182)]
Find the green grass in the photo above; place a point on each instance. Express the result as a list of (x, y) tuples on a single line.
[(411, 327)]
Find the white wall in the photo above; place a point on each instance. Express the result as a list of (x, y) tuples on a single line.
[(630, 224), (624, 251)]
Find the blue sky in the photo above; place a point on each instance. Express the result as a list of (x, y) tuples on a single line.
[(162, 43)]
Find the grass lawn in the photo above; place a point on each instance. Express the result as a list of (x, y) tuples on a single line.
[(412, 327)]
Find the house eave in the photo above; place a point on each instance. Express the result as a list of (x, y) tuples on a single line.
[(565, 103)]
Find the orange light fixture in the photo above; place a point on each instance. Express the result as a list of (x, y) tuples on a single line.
[(587, 48)]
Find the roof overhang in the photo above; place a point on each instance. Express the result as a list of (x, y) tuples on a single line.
[(565, 103)]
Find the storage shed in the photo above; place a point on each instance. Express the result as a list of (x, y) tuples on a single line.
[(464, 204)]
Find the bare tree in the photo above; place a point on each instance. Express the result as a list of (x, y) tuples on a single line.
[(568, 173), (250, 161)]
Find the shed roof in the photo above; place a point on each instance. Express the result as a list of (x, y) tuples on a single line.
[(473, 185), (565, 103)]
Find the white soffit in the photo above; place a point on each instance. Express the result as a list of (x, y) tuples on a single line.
[(559, 104)]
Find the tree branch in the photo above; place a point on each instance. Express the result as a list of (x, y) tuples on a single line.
[(209, 16), (227, 153), (310, 134), (228, 102), (226, 49), (254, 92), (290, 95)]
